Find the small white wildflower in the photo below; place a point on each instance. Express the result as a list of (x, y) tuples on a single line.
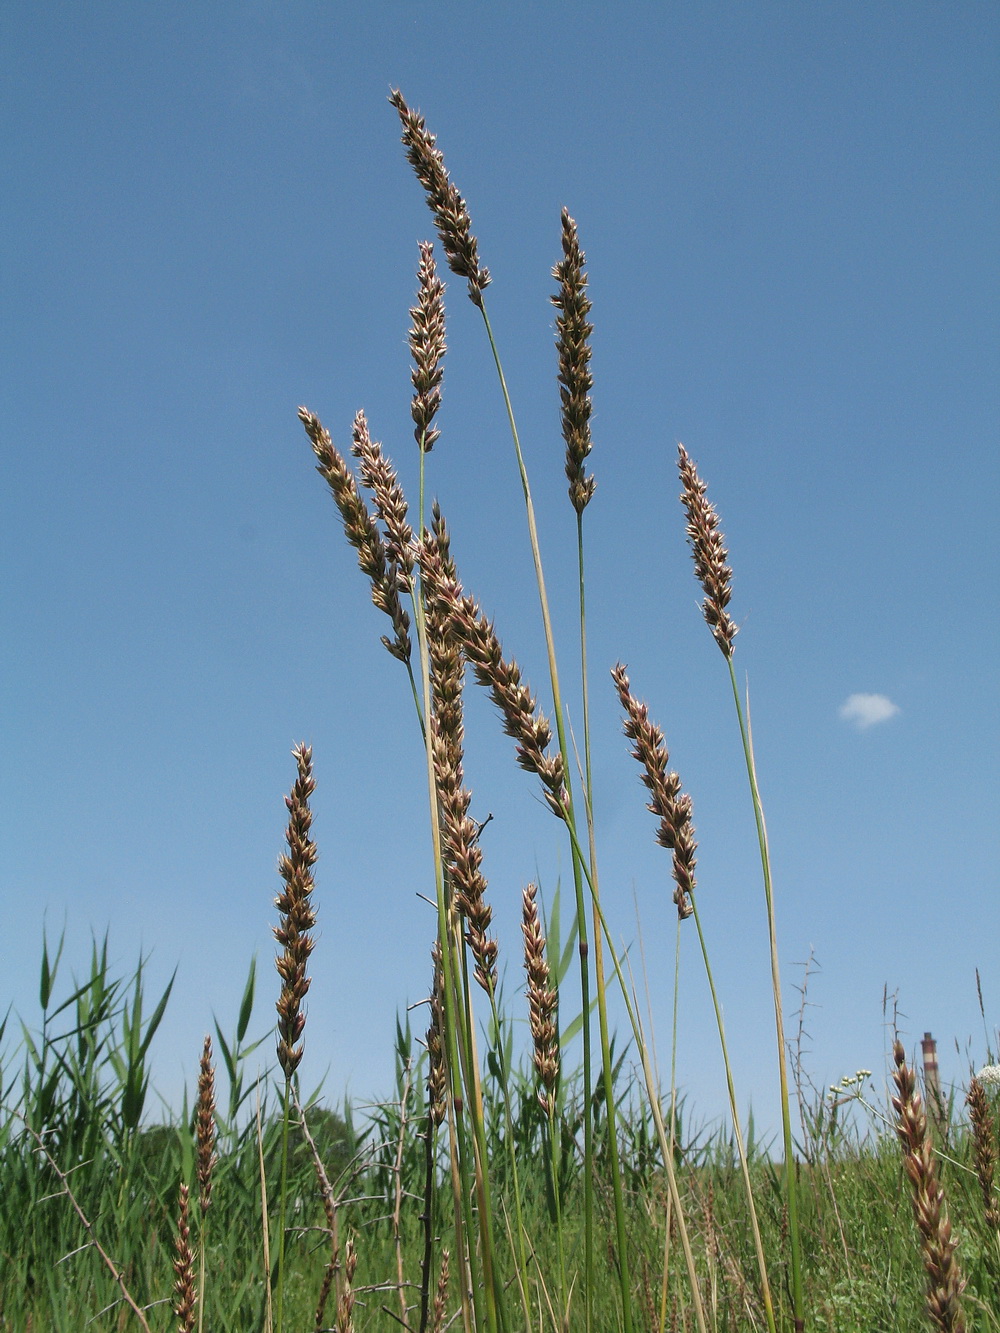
[(989, 1076)]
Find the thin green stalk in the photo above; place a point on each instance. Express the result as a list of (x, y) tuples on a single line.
[(578, 869), (279, 1295), (791, 1183)]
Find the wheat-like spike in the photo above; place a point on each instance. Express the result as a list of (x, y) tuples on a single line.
[(361, 530), (575, 379), (449, 208), (379, 476), (543, 1000), (667, 802), (185, 1293), (297, 914), (523, 720), (441, 1296), (437, 1082), (427, 347), (708, 548), (984, 1139), (944, 1277), (205, 1130), (345, 1300)]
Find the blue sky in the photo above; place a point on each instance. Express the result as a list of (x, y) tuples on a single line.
[(789, 213)]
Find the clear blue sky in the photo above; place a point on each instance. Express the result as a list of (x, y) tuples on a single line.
[(790, 218)]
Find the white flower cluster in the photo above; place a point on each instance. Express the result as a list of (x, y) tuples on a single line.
[(849, 1081), (989, 1076)]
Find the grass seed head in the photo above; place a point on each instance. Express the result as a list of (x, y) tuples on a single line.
[(451, 214), (427, 347), (298, 918), (575, 379), (205, 1127), (709, 551)]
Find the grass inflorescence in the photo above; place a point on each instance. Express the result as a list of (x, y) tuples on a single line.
[(550, 1183)]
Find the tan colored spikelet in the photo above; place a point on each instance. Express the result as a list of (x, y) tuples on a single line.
[(427, 347), (944, 1277), (345, 1299), (441, 1296), (667, 802), (379, 476), (709, 551), (297, 914), (374, 557), (185, 1293), (575, 379), (543, 1001), (437, 1085), (205, 1127), (451, 214), (984, 1142)]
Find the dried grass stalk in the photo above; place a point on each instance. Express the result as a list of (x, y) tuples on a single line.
[(185, 1295), (205, 1129), (543, 1001), (575, 379), (361, 530), (944, 1278), (667, 802), (709, 550), (449, 208), (297, 914), (427, 347)]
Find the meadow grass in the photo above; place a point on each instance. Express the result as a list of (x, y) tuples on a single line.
[(502, 1186)]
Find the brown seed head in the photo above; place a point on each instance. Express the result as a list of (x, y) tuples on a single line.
[(427, 347), (374, 557), (297, 915), (944, 1277), (379, 476), (984, 1141), (543, 1000), (437, 1086), (205, 1127), (441, 1296), (667, 802), (575, 379), (185, 1292), (449, 208), (709, 551)]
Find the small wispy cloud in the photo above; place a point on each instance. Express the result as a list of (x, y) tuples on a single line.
[(867, 710)]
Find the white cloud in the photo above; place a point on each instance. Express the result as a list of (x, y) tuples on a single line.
[(867, 710)]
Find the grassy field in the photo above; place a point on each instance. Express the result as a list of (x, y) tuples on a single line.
[(554, 1187)]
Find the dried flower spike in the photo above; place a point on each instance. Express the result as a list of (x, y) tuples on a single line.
[(543, 1001), (667, 802), (437, 1086), (984, 1141), (944, 1278), (575, 379), (205, 1127), (427, 347), (449, 208), (185, 1294), (297, 915), (709, 551), (374, 556)]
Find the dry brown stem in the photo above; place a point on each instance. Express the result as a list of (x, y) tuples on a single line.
[(944, 1278), (543, 1000), (427, 347), (297, 914), (575, 379), (449, 208), (361, 531), (709, 551), (667, 802)]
